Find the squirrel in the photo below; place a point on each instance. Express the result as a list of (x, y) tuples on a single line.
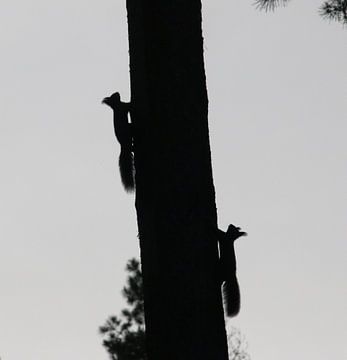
[(124, 135), (227, 261)]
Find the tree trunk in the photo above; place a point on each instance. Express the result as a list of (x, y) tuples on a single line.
[(175, 199)]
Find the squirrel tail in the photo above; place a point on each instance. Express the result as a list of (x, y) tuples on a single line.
[(126, 168), (231, 296)]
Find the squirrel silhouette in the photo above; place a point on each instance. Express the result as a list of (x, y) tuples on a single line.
[(230, 285), (123, 132)]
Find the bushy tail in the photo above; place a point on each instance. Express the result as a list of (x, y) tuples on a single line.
[(126, 168), (231, 296)]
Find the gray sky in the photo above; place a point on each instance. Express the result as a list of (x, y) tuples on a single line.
[(277, 87)]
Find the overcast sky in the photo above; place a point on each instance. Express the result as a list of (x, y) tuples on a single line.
[(277, 86)]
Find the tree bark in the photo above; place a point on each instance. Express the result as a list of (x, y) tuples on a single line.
[(175, 198)]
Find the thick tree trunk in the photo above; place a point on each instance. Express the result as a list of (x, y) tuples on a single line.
[(175, 197)]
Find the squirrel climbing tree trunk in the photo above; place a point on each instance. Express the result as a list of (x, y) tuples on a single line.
[(175, 198)]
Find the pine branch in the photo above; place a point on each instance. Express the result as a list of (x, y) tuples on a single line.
[(269, 5), (335, 10)]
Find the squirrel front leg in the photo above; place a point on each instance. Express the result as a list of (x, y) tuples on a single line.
[(230, 285), (124, 135)]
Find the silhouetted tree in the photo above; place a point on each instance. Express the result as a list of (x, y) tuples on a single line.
[(175, 197), (124, 336), (331, 9)]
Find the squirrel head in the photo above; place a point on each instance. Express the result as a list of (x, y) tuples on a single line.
[(112, 100), (234, 232)]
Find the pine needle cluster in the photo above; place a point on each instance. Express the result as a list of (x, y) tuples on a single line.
[(124, 335), (334, 10)]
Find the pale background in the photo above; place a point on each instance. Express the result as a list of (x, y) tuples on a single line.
[(278, 88)]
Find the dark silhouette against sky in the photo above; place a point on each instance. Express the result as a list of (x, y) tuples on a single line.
[(277, 114)]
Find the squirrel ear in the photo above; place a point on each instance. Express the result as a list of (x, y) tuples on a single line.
[(116, 96)]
